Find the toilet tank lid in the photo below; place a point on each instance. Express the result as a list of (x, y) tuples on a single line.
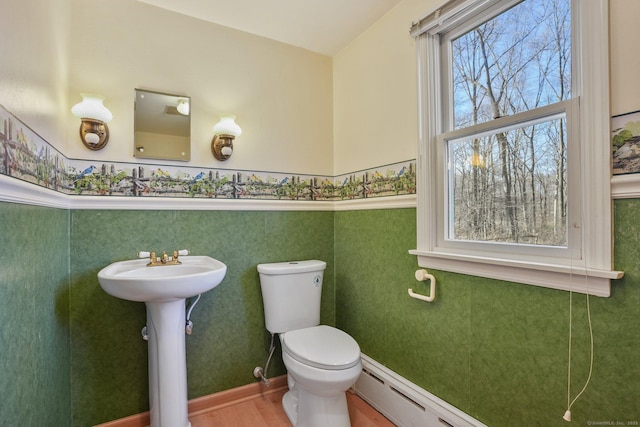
[(291, 267)]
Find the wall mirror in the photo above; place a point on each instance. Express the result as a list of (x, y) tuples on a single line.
[(162, 126)]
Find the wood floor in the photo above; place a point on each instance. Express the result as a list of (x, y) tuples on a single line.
[(266, 410)]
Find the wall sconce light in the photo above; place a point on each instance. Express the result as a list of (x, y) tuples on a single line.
[(94, 131), (224, 133)]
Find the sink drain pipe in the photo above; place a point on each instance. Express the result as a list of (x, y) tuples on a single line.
[(258, 372)]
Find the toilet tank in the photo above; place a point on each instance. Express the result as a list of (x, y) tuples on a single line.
[(291, 293)]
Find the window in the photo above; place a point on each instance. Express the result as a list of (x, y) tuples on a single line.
[(514, 164)]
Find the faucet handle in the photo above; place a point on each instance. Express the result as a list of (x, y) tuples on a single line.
[(176, 254), (164, 259), (147, 254)]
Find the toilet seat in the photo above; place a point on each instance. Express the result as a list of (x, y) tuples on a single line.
[(322, 347)]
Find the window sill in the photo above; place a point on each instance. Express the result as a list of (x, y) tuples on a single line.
[(588, 281)]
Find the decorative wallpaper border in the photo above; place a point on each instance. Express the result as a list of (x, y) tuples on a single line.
[(25, 156)]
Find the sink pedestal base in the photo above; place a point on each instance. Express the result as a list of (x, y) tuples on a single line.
[(167, 364)]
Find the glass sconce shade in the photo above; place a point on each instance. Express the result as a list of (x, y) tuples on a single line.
[(227, 126), (91, 107)]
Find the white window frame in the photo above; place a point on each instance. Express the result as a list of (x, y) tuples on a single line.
[(586, 265)]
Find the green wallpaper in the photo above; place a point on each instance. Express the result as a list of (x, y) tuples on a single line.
[(108, 356), (34, 338), (496, 350), (72, 355)]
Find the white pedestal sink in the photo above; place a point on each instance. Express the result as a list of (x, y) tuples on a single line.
[(164, 289)]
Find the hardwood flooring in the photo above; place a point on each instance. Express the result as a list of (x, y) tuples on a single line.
[(266, 410)]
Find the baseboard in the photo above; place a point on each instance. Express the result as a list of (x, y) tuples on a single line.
[(209, 402), (404, 403)]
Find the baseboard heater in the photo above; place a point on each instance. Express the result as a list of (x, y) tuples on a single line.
[(404, 403)]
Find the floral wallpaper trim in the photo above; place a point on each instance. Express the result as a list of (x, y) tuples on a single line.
[(26, 156)]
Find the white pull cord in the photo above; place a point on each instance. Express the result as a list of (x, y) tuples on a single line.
[(567, 414)]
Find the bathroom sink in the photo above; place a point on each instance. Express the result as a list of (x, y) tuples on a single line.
[(134, 281), (163, 287)]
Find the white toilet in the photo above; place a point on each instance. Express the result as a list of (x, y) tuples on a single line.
[(322, 362)]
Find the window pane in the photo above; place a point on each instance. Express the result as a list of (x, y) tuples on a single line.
[(517, 61), (510, 186)]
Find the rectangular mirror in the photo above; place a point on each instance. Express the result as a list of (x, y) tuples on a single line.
[(162, 126)]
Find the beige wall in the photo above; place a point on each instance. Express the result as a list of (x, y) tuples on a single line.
[(281, 95), (625, 60), (375, 101), (33, 63)]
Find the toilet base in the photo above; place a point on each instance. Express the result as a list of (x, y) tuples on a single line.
[(306, 410), (290, 405)]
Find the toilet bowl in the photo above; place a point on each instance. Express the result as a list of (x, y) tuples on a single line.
[(322, 363)]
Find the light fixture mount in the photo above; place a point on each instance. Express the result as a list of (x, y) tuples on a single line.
[(94, 134), (222, 146)]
